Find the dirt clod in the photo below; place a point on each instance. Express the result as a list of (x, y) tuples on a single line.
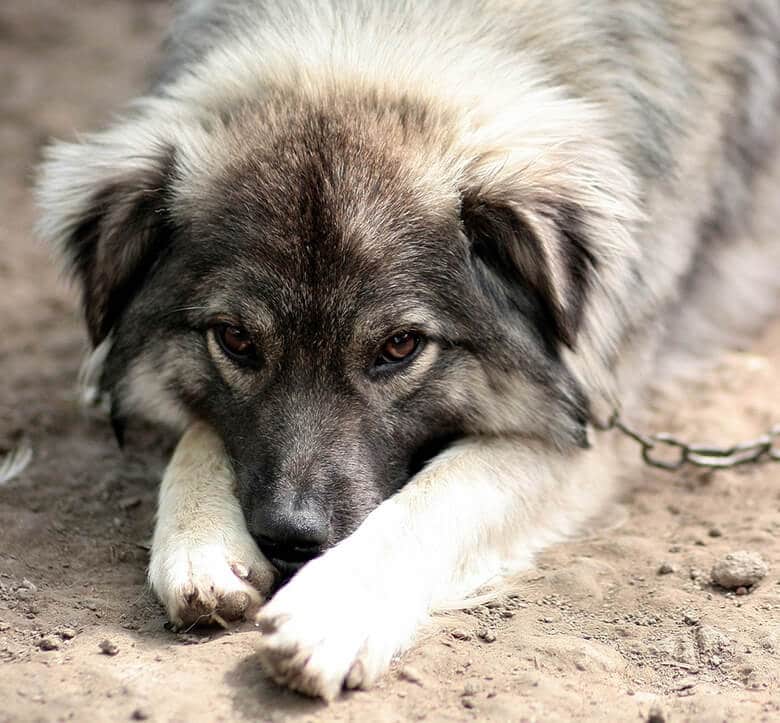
[(108, 648), (710, 640), (739, 569), (48, 644), (487, 635)]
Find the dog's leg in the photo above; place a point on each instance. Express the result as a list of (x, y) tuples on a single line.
[(204, 565), (479, 511)]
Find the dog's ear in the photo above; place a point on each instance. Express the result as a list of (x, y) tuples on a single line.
[(541, 256), (104, 208)]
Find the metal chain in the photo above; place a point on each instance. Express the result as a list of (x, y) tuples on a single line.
[(754, 451)]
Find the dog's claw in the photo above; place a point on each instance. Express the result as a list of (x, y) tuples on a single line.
[(199, 586)]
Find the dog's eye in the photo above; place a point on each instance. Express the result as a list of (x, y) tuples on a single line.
[(399, 347), (235, 342)]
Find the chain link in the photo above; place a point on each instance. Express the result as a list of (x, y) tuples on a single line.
[(757, 450)]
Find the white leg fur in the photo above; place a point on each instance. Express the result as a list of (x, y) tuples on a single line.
[(205, 566), (478, 512)]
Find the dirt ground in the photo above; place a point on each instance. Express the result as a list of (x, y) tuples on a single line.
[(594, 633)]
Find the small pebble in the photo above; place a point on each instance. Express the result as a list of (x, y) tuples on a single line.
[(710, 640), (741, 591), (691, 617), (108, 648), (139, 714), (67, 633), (487, 635), (48, 644), (460, 634), (715, 532), (739, 569), (666, 568), (467, 702)]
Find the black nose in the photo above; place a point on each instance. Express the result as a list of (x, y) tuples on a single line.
[(289, 537)]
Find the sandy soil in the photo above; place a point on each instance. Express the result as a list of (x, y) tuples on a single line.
[(595, 632)]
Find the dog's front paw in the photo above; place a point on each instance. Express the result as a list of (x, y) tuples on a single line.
[(207, 584), (324, 632)]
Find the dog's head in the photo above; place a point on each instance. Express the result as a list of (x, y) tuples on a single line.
[(340, 288)]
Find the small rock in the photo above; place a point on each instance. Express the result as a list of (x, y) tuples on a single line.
[(460, 634), (710, 640), (67, 633), (29, 585), (467, 702), (410, 675), (48, 644), (139, 714), (771, 642), (739, 569), (666, 568), (691, 617), (715, 532), (108, 648), (487, 635), (4, 626), (741, 591)]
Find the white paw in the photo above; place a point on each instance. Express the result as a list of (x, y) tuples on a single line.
[(324, 631), (209, 583)]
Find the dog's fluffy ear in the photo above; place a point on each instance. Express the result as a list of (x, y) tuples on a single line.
[(545, 255), (548, 224), (104, 208)]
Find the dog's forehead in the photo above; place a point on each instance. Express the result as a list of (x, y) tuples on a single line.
[(325, 202), (335, 175)]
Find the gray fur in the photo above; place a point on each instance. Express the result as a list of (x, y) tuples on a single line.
[(551, 191)]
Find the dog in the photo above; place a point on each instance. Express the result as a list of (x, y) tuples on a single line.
[(383, 264)]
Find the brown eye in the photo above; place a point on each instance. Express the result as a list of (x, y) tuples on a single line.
[(398, 348), (235, 342)]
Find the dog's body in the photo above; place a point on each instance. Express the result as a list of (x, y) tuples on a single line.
[(393, 257)]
